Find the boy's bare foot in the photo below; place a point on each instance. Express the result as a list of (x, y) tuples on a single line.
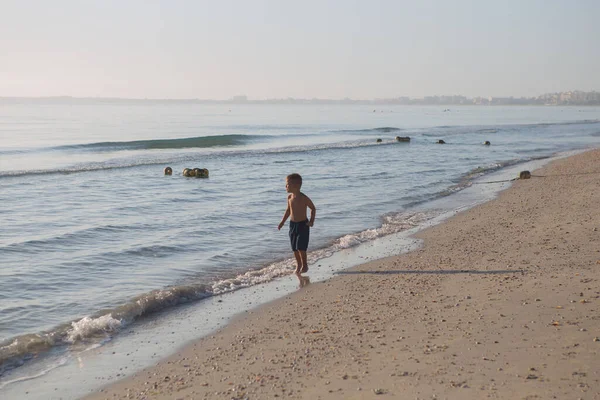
[(304, 280), (304, 269)]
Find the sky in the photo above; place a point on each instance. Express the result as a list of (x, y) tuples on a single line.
[(304, 49)]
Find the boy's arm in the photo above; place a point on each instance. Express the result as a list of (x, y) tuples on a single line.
[(313, 211), (285, 215)]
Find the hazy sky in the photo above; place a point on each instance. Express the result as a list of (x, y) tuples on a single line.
[(327, 49)]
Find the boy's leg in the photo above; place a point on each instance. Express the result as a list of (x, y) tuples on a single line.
[(304, 262), (298, 261), (303, 244)]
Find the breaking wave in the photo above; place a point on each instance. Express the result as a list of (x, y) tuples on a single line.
[(97, 327), (119, 163), (197, 142), (183, 143)]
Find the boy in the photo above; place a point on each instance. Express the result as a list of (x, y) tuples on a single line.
[(297, 204)]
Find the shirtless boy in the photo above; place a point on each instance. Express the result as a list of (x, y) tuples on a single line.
[(297, 204)]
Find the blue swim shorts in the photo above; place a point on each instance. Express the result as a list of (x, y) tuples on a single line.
[(299, 235)]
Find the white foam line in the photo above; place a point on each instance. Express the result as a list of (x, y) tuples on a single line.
[(59, 364)]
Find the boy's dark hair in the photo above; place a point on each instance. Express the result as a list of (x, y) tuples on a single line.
[(296, 178)]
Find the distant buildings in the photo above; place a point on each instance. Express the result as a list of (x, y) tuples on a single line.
[(570, 98), (239, 99), (576, 97)]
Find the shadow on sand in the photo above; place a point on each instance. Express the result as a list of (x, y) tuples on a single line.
[(434, 272)]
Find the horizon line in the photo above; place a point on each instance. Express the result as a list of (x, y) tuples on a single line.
[(244, 98)]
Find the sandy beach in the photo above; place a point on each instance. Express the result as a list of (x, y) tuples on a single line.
[(502, 302)]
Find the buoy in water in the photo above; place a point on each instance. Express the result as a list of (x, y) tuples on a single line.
[(402, 139), (200, 172), (440, 142), (379, 140), (524, 175), (195, 173), (487, 143), (168, 171)]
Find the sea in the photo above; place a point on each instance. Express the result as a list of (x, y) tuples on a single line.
[(107, 264)]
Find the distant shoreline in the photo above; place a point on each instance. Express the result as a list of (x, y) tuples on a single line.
[(570, 98), (116, 101)]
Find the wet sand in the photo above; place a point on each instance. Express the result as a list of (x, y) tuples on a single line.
[(501, 302)]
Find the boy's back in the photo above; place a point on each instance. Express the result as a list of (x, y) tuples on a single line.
[(298, 205)]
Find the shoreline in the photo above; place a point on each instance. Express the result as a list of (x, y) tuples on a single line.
[(323, 342), (413, 219), (62, 99), (89, 367)]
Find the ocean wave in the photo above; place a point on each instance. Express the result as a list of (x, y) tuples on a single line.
[(42, 244), (12, 152), (150, 144), (480, 171), (467, 179), (383, 129), (15, 351), (447, 130), (228, 140), (225, 141), (579, 122), (88, 326), (88, 167), (188, 157), (182, 143)]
